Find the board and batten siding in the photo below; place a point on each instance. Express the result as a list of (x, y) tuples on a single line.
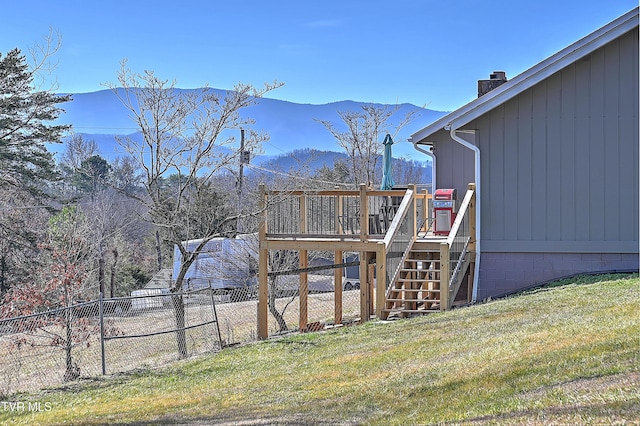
[(455, 164), (560, 160)]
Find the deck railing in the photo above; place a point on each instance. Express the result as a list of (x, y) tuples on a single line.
[(332, 213), (396, 244), (455, 251)]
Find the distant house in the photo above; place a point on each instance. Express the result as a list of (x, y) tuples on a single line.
[(554, 155)]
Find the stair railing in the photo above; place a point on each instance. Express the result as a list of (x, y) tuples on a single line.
[(455, 251), (397, 243)]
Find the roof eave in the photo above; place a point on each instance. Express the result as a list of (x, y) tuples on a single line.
[(532, 76)]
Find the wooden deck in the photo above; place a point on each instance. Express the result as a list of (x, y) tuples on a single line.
[(395, 246)]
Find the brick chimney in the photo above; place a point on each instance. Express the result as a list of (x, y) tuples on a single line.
[(495, 79)]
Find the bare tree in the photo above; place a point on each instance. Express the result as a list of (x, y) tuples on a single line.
[(362, 139), (186, 133), (76, 151)]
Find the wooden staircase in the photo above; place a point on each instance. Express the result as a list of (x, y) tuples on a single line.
[(416, 289)]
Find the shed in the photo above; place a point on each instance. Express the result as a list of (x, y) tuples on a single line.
[(554, 156)]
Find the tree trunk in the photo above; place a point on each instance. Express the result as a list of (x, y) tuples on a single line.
[(101, 273), (112, 283), (282, 324), (3, 279), (181, 335), (159, 250), (178, 305), (71, 372)]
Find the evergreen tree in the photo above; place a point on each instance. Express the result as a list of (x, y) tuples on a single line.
[(25, 116), (26, 167)]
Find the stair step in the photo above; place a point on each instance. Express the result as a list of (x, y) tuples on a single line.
[(412, 311), (421, 278), (415, 290), (418, 270), (414, 300), (418, 287)]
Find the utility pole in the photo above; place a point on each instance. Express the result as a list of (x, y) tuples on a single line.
[(244, 159)]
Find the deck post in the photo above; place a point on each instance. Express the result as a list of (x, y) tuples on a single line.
[(425, 211), (303, 213), (381, 279), (472, 219), (263, 266), (366, 283), (337, 286), (364, 215), (445, 266), (472, 242), (370, 283), (414, 210), (364, 267)]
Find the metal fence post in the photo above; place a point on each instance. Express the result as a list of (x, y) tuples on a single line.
[(101, 310)]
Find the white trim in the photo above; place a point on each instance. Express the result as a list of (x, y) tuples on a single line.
[(500, 246), (532, 76)]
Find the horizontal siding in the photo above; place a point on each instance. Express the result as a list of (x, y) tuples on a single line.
[(560, 160)]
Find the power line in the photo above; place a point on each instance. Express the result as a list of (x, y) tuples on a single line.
[(298, 177)]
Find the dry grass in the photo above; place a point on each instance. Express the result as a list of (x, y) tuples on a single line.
[(30, 368), (567, 355)]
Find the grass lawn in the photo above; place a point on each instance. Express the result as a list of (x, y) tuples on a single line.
[(563, 354)]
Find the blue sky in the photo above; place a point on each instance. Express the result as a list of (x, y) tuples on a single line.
[(428, 53)]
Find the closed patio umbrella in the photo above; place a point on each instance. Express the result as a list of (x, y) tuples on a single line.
[(387, 178)]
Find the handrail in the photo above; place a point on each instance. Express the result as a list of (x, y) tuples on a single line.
[(454, 252), (459, 217), (403, 209)]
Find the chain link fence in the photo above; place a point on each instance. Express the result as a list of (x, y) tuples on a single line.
[(109, 336), (105, 336)]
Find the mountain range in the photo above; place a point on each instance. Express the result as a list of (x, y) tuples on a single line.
[(292, 126)]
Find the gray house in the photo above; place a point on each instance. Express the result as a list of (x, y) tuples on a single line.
[(554, 156)]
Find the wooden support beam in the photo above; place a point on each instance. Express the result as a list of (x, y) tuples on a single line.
[(317, 244), (445, 266), (365, 294), (337, 286), (364, 215), (461, 274), (381, 281), (303, 214), (370, 282), (470, 278), (425, 211), (413, 220), (472, 219)]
